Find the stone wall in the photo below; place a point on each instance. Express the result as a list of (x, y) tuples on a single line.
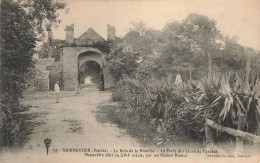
[(70, 68), (42, 74)]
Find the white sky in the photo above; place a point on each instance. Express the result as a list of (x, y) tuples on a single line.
[(239, 18)]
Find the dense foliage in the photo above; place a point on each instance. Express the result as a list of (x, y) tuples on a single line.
[(18, 40), (192, 47), (23, 23), (179, 111), (220, 79)]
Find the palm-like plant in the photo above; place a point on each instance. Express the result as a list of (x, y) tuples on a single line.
[(232, 96), (5, 112)]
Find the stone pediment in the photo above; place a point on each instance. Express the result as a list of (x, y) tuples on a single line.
[(90, 37)]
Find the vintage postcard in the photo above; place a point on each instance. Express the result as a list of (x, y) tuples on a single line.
[(130, 81)]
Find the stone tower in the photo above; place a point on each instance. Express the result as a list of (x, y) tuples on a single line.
[(111, 33), (70, 34)]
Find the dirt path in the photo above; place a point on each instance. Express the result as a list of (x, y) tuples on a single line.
[(70, 124)]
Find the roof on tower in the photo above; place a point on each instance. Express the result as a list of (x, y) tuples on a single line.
[(89, 36)]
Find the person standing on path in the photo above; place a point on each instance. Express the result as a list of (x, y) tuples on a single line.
[(57, 91)]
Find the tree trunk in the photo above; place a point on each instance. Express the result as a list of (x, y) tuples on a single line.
[(1, 124), (1, 135), (221, 60), (190, 73), (210, 65), (248, 65), (50, 52), (50, 36), (208, 135), (240, 126)]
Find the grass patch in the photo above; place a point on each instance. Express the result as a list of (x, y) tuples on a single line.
[(75, 126), (143, 131), (17, 128)]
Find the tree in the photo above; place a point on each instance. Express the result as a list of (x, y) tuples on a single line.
[(122, 59), (190, 44), (233, 57), (21, 26), (23, 23), (140, 27), (130, 52), (205, 33), (189, 47), (43, 15), (18, 41)]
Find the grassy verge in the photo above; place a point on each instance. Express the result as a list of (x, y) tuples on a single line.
[(143, 131), (17, 128)]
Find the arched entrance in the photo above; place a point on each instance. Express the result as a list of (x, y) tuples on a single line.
[(73, 58), (91, 75), (90, 67)]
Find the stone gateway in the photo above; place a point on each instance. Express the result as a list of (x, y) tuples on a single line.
[(78, 51)]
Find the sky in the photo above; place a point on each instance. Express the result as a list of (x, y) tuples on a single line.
[(235, 18)]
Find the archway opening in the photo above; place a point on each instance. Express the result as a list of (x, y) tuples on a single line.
[(91, 75)]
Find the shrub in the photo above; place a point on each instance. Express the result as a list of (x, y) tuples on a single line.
[(123, 88), (179, 111)]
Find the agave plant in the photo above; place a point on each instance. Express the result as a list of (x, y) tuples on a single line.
[(180, 110), (232, 96), (5, 112)]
